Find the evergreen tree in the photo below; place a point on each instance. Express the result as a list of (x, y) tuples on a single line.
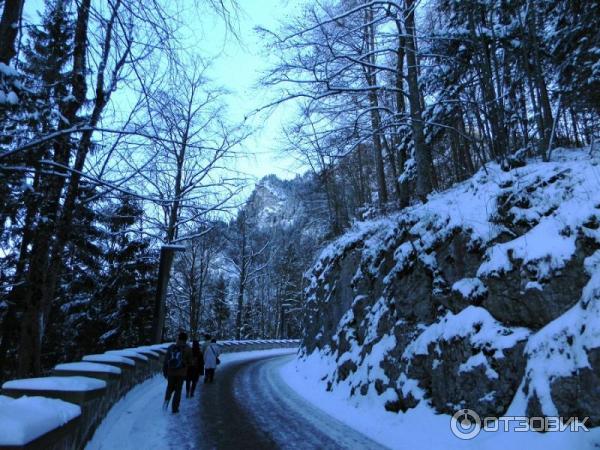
[(45, 69), (47, 57), (127, 296), (106, 293), (74, 317), (40, 91), (574, 34)]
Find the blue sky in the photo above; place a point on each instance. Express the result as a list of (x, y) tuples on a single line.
[(237, 65)]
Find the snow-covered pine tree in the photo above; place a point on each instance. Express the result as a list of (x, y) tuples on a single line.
[(574, 33), (75, 316), (126, 297), (44, 71)]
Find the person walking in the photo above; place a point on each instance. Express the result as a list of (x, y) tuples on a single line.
[(194, 370), (175, 367), (205, 343), (211, 360)]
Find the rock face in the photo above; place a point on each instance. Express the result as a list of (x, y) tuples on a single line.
[(579, 395), (467, 360), (285, 204), (520, 298), (460, 301), (272, 202)]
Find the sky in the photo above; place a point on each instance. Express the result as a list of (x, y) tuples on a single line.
[(237, 62), (236, 65)]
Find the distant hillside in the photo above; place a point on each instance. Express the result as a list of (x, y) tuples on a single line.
[(286, 204)]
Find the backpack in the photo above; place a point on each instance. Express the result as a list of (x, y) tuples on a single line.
[(175, 357)]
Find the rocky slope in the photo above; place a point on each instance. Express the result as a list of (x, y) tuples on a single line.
[(273, 202), (487, 293), (285, 204)]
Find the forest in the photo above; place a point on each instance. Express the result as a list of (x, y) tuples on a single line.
[(115, 143)]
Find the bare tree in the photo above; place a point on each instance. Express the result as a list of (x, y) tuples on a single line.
[(243, 262), (192, 277), (106, 44), (189, 172)]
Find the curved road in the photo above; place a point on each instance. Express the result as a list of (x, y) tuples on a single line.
[(250, 407)]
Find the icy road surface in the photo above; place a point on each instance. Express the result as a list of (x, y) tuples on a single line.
[(248, 407)]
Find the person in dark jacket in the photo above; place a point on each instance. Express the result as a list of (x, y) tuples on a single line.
[(194, 370), (175, 367)]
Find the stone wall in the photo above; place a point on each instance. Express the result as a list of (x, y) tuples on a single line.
[(98, 382)]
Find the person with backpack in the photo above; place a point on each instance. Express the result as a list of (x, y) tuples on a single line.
[(194, 370), (211, 360), (177, 361)]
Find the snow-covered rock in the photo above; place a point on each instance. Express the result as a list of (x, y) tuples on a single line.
[(563, 358), (488, 286), (283, 204), (467, 360)]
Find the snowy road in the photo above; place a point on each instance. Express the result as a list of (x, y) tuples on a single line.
[(249, 407)]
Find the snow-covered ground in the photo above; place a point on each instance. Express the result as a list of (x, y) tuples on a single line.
[(125, 428), (138, 421), (420, 428)]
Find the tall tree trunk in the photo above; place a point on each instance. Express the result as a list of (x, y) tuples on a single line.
[(484, 66), (362, 190), (9, 28), (330, 192), (371, 78), (404, 195), (377, 144), (521, 102), (240, 308), (40, 271), (540, 84), (242, 281), (394, 168), (282, 325), (193, 295), (9, 323), (465, 150), (423, 158), (41, 276), (574, 125)]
